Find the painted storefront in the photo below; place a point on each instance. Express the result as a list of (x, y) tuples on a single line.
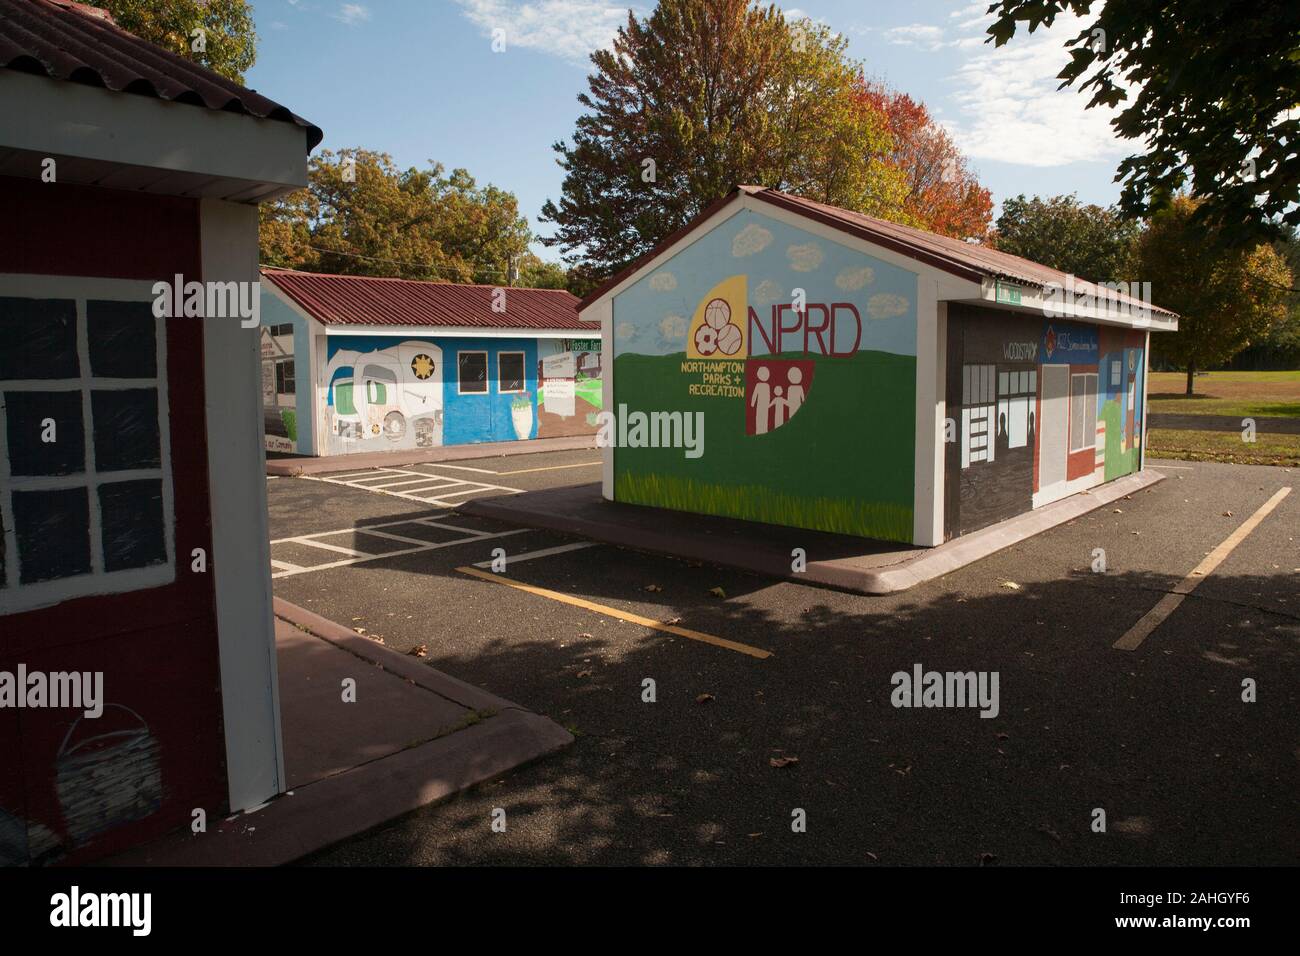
[(385, 393), (800, 355)]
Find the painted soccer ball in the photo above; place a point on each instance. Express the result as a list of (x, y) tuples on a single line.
[(729, 339), (717, 313), (706, 340)]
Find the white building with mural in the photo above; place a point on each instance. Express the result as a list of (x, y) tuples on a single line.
[(362, 364)]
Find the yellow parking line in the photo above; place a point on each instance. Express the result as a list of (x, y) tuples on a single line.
[(620, 614), (1166, 605)]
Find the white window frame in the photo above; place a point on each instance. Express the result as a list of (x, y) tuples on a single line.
[(14, 595), (487, 378), (523, 376)]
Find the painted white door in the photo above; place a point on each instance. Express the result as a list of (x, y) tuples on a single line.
[(1054, 429)]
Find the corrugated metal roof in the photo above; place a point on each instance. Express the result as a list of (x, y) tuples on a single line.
[(70, 41), (366, 300), (964, 259)]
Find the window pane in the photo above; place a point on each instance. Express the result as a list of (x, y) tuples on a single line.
[(965, 384), (510, 371), (53, 531), (126, 429), (121, 339), (1002, 383), (40, 338), (132, 522), (472, 371), (29, 454), (343, 399)]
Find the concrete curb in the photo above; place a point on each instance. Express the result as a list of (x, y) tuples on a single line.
[(323, 813), (402, 665), (293, 467), (870, 572)]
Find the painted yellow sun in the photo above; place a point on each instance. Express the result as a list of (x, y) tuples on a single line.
[(422, 366)]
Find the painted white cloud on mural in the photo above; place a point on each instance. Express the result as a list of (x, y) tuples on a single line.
[(750, 240), (625, 330), (852, 279), (887, 306), (767, 292), (805, 258), (663, 281), (673, 328)]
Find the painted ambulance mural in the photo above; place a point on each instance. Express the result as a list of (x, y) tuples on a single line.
[(800, 354), (384, 398)]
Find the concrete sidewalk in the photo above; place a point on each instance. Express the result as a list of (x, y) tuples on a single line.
[(413, 736), (291, 467), (839, 561)]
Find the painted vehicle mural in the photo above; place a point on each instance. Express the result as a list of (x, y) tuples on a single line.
[(387, 396)]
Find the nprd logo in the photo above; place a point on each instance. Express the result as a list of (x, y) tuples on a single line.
[(775, 389)]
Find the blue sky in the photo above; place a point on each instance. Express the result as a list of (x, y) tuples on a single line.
[(419, 79)]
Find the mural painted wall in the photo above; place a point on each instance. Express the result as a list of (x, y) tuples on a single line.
[(799, 354), (382, 393), (284, 404), (1043, 409)]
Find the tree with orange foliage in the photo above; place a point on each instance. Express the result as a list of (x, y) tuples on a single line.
[(943, 195)]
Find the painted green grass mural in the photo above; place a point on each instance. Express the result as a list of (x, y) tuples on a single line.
[(1118, 462), (757, 503), (843, 463)]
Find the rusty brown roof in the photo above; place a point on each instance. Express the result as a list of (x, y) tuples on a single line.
[(964, 259), (65, 40), (367, 300)]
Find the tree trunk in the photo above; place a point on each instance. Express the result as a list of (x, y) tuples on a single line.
[(1191, 370)]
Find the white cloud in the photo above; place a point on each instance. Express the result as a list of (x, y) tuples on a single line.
[(750, 240), (352, 14), (1009, 108), (887, 306), (663, 281), (767, 292), (918, 35), (673, 328), (570, 29), (852, 279), (805, 258), (625, 330)]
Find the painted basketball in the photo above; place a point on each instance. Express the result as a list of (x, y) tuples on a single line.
[(717, 313), (729, 339)]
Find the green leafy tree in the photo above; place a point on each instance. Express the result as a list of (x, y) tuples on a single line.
[(1084, 240), (1217, 86), (362, 215), (713, 93), (228, 42), (1225, 300), (535, 273)]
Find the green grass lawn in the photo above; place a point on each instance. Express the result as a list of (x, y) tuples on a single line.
[(1226, 447), (1239, 394)]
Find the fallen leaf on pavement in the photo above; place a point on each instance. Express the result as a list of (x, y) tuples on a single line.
[(781, 761), (672, 620), (419, 650), (584, 673), (704, 698), (1011, 585), (718, 592), (653, 587)]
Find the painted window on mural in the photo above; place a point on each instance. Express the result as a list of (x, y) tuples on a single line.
[(1083, 411), (510, 371), (284, 377), (85, 479), (343, 403), (978, 382), (471, 373), (1016, 391)]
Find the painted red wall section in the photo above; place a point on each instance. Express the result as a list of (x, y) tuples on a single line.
[(157, 647)]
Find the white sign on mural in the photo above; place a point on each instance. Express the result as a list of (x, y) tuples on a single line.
[(559, 397), (564, 365)]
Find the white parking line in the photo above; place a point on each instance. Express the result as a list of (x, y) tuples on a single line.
[(427, 546), (540, 553), (394, 482)]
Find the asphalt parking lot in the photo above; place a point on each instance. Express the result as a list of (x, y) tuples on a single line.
[(1159, 736)]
